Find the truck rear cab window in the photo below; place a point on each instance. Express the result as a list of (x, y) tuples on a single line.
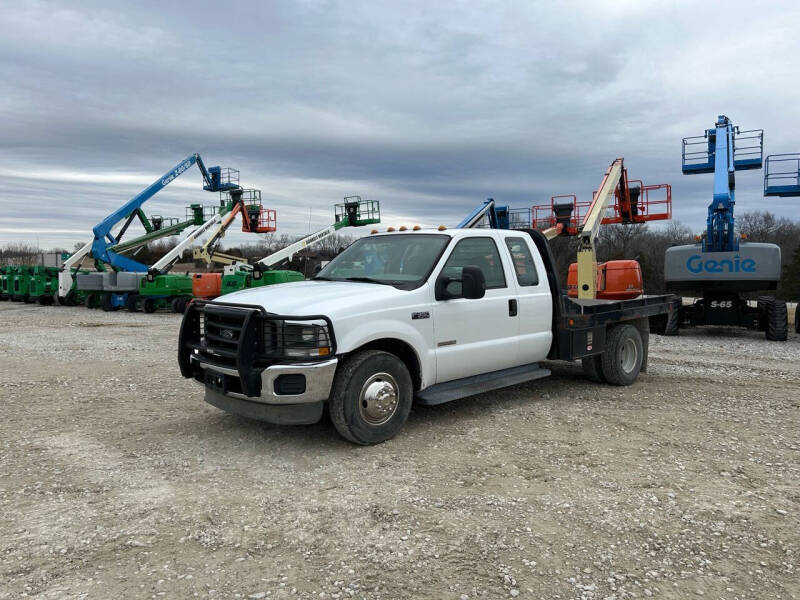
[(522, 258), (476, 252)]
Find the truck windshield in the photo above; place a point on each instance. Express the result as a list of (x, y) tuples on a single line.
[(402, 260)]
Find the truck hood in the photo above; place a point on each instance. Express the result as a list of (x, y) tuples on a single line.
[(330, 298)]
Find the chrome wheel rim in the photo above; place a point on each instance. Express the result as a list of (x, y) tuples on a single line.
[(628, 355), (377, 402)]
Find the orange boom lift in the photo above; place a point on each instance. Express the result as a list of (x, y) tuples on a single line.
[(617, 201)]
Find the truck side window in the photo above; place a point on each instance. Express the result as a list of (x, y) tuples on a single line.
[(523, 261), (477, 252)]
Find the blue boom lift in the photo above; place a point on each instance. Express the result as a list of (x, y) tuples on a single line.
[(215, 179), (782, 178), (721, 266), (105, 244)]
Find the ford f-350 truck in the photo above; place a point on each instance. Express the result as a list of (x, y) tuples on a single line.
[(425, 316)]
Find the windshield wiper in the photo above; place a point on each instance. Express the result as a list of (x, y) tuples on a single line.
[(368, 280)]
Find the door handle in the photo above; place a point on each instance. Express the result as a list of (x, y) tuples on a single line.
[(512, 307)]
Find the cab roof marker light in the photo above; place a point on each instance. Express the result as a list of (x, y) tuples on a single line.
[(373, 232), (416, 228), (441, 228), (390, 229), (402, 228)]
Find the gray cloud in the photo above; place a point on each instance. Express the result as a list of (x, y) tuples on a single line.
[(429, 109)]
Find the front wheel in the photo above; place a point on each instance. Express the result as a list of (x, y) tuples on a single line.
[(371, 399), (624, 354)]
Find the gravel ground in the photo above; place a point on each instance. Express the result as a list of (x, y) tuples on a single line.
[(118, 481)]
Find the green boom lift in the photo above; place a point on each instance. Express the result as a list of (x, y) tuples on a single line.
[(353, 212)]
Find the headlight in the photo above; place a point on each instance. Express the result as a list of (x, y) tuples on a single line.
[(305, 341)]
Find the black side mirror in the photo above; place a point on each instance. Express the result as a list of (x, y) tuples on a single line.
[(473, 285)]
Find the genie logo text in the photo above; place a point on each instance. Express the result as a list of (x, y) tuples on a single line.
[(696, 264), (177, 171)]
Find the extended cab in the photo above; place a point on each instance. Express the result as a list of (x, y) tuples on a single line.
[(430, 316)]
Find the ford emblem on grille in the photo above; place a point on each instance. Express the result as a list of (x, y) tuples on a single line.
[(227, 334)]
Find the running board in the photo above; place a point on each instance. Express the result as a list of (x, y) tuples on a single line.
[(477, 384)]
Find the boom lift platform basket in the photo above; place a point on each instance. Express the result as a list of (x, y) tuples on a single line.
[(648, 203), (699, 152), (355, 212), (782, 175), (255, 217)]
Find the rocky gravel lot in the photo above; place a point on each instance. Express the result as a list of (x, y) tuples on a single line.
[(118, 481)]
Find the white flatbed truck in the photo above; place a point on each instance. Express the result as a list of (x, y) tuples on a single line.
[(425, 316)]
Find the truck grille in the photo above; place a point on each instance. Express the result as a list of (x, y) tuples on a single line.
[(227, 346), (222, 332)]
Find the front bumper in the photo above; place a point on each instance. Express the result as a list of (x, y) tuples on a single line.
[(302, 408), (318, 382), (237, 353)]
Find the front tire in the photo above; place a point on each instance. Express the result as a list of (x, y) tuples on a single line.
[(624, 354), (372, 396)]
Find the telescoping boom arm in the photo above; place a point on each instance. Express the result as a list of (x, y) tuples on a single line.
[(587, 257), (290, 250), (214, 180), (174, 255), (255, 219), (722, 151), (354, 212), (497, 216)]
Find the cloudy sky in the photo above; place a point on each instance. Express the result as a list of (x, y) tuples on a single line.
[(428, 107)]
